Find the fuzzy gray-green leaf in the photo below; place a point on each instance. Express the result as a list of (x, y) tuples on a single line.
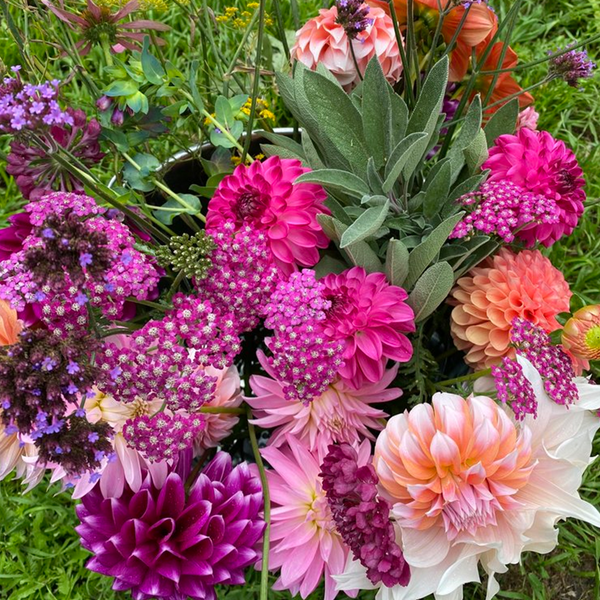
[(431, 290), (396, 262), (503, 121), (367, 224), (407, 148), (437, 190), (338, 180)]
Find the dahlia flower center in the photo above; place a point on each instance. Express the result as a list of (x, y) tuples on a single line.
[(472, 510), (250, 206), (592, 338), (566, 181), (319, 512)]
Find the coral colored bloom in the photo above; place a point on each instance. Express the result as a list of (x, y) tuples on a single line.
[(543, 165), (471, 486), (265, 197), (491, 295), (340, 414), (96, 23), (10, 326), (581, 334), (167, 544), (304, 540), (371, 317), (528, 118), (323, 40)]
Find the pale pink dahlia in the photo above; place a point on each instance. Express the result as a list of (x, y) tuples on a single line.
[(528, 117), (323, 40), (340, 414), (371, 317), (469, 486), (543, 165), (265, 197), (490, 296), (304, 542)]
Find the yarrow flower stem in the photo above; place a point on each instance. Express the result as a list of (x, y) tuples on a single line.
[(264, 574), (222, 410), (464, 378)]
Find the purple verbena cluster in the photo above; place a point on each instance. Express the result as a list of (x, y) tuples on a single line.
[(243, 275), (572, 66), (352, 16), (514, 388), (361, 517), (27, 106), (162, 436), (302, 355), (504, 208)]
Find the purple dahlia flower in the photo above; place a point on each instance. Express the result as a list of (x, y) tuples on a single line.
[(160, 543)]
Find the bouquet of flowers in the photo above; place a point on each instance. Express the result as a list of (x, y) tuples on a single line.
[(366, 288)]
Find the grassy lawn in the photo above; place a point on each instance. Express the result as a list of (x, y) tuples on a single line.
[(40, 556)]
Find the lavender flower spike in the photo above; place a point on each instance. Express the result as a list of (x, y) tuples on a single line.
[(572, 66), (352, 16)]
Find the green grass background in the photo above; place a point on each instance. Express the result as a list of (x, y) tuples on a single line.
[(40, 556)]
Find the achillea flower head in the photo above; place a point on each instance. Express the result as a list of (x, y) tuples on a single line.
[(37, 174), (163, 543), (361, 517), (353, 17), (97, 24), (506, 209), (25, 106), (339, 414), (581, 333), (370, 317), (305, 544), (544, 166), (514, 388), (326, 40), (243, 274), (572, 66), (264, 197), (503, 287)]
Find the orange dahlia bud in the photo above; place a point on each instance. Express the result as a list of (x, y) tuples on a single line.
[(581, 334)]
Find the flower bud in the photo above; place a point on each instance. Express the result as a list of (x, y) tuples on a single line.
[(581, 334), (104, 103), (118, 117)]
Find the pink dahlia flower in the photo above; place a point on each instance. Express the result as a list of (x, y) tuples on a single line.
[(340, 414), (503, 287), (528, 118), (227, 395), (323, 40), (471, 486), (165, 543), (265, 197), (304, 541), (371, 317), (543, 165)]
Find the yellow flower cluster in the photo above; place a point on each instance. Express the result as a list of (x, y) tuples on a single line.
[(236, 160), (262, 109), (241, 19), (159, 5)]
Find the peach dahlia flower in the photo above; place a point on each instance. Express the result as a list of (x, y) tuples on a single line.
[(323, 40), (469, 486), (490, 296)]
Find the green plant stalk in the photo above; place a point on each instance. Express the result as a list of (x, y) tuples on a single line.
[(149, 304), (238, 51), (354, 59), (264, 573), (517, 94), (408, 91), (464, 378), (256, 82), (438, 30), (223, 130), (281, 27), (175, 284), (221, 410)]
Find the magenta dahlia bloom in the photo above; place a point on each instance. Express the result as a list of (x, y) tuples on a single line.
[(265, 197), (164, 544), (540, 164), (371, 317)]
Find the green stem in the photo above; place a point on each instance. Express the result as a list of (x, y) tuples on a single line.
[(517, 94), (408, 91), (223, 129), (222, 410), (175, 284), (150, 304), (106, 49), (264, 574), (354, 59), (256, 82), (464, 378), (238, 51), (281, 27)]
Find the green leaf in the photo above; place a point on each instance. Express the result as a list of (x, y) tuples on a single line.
[(219, 139), (199, 104), (328, 224), (468, 132), (328, 265), (223, 111), (503, 121), (137, 102), (337, 210), (427, 250), (373, 178), (437, 190), (402, 153), (399, 118), (121, 88), (283, 141), (151, 66), (431, 290), (285, 85), (396, 262), (360, 253), (313, 160), (137, 178), (427, 110), (334, 111), (117, 137), (271, 150), (376, 112), (337, 180), (476, 153), (367, 224), (172, 208), (467, 186)]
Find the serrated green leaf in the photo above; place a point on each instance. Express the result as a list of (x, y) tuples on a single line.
[(503, 121), (367, 224), (333, 110), (153, 70), (437, 190), (399, 157), (285, 86), (396, 262), (476, 153), (337, 180), (376, 112), (420, 258), (431, 290)]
